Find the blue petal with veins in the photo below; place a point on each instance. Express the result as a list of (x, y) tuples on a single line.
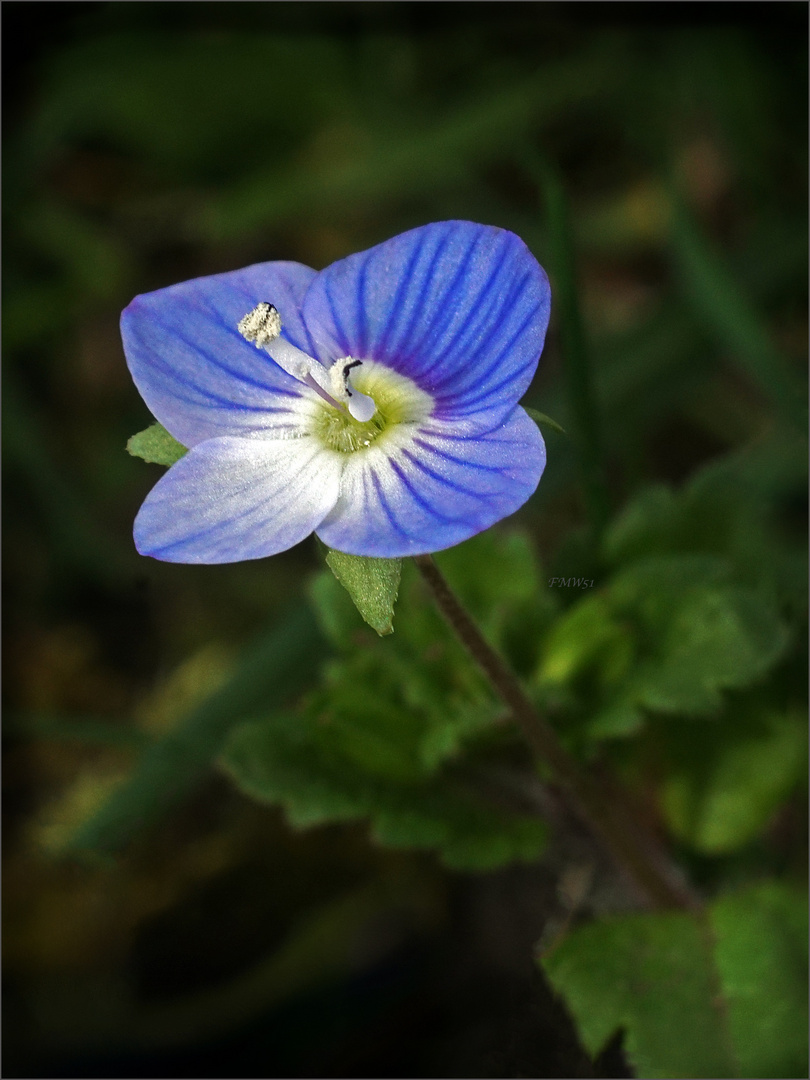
[(453, 316)]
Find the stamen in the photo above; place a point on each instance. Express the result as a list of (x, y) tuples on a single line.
[(261, 325)]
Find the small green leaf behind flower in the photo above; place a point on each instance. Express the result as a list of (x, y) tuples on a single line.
[(373, 585), (156, 445), (542, 420)]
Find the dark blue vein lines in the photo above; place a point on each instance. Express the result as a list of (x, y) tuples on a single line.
[(445, 310), (361, 317), (420, 499), (196, 347), (419, 304), (463, 462), (481, 319), (420, 465), (382, 344)]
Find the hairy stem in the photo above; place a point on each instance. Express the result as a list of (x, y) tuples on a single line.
[(641, 858)]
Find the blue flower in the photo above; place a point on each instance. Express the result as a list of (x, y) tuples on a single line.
[(374, 403)]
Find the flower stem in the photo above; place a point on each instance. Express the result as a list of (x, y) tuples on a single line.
[(639, 857)]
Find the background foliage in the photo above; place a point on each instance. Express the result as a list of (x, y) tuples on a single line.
[(376, 905)]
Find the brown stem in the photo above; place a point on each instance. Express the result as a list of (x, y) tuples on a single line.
[(645, 863)]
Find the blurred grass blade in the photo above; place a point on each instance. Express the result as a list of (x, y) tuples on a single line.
[(577, 371), (278, 664), (90, 730), (718, 298), (79, 540), (420, 158)]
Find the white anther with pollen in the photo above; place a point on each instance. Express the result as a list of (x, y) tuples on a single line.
[(262, 327)]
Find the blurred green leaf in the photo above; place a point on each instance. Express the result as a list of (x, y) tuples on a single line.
[(502, 602), (707, 589), (722, 997), (395, 711), (282, 762), (701, 635), (156, 445), (380, 738), (730, 507), (588, 633), (667, 634), (726, 782), (761, 957), (651, 976)]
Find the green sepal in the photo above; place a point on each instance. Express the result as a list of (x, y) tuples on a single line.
[(373, 585), (542, 420), (156, 445)]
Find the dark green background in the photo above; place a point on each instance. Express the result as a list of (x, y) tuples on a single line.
[(149, 143)]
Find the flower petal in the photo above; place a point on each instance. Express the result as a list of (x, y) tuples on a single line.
[(231, 499), (434, 486), (461, 309), (194, 370)]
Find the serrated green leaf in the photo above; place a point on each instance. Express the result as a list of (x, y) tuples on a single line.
[(282, 761), (398, 713), (650, 975), (373, 585), (542, 420), (729, 508), (716, 639), (718, 995), (371, 742), (761, 957), (156, 445)]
